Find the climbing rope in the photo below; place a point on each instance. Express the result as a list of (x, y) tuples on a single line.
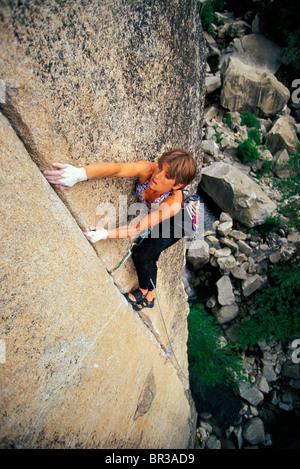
[(135, 243), (162, 316), (138, 241)]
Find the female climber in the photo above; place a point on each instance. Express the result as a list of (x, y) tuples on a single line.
[(160, 188)]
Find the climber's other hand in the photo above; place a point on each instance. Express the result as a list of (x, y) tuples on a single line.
[(65, 176), (95, 234)]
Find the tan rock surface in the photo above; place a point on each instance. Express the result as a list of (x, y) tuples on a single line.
[(87, 82), (107, 81), (78, 357)]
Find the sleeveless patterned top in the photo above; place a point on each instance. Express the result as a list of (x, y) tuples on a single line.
[(140, 188)]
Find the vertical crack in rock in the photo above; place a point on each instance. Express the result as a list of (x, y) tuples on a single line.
[(12, 114)]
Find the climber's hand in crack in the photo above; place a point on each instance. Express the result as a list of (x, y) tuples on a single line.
[(95, 234), (65, 176)]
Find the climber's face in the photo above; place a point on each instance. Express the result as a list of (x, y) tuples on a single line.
[(161, 182)]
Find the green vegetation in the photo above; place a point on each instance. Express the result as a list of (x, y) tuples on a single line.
[(207, 17), (290, 189), (207, 14), (250, 120), (247, 151), (218, 135), (271, 225), (277, 305), (211, 362), (255, 135), (289, 186), (228, 120), (278, 309)]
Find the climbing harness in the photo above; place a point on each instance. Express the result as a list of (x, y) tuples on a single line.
[(186, 219)]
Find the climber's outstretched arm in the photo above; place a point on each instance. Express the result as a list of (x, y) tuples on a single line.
[(168, 208), (121, 170), (67, 175)]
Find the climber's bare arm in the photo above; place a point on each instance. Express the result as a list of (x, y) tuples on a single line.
[(139, 169), (163, 212), (66, 175), (168, 208)]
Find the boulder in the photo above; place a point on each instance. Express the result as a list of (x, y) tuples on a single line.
[(224, 228), (237, 194), (248, 89), (262, 384), (250, 393), (238, 28), (213, 442), (257, 51), (226, 264), (283, 135), (291, 369), (212, 83), (239, 273), (244, 247), (226, 314), (225, 292), (210, 147), (254, 431), (279, 165), (251, 284), (223, 252), (198, 256)]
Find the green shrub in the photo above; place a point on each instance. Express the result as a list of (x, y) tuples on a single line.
[(218, 5), (290, 189), (247, 151), (265, 169), (228, 120), (218, 135), (207, 14), (207, 17), (210, 363), (271, 225), (278, 310), (250, 120), (292, 211), (254, 134)]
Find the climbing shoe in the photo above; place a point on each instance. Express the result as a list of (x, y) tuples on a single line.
[(137, 294), (144, 303)]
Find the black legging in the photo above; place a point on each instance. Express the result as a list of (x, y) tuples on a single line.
[(145, 256)]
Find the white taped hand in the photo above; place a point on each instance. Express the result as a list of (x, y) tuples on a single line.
[(72, 175), (65, 175), (96, 235)]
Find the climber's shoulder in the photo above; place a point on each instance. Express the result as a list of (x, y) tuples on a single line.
[(145, 170)]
